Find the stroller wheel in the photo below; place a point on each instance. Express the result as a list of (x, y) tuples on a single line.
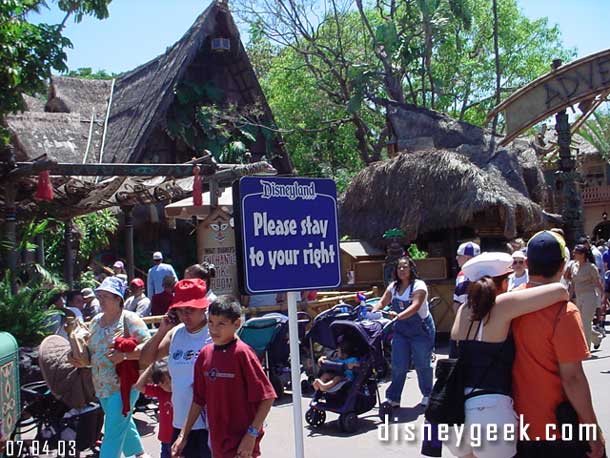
[(385, 409), (278, 386), (315, 417), (348, 422)]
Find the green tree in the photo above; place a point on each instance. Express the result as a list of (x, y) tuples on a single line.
[(94, 231), (334, 67), (597, 132), (29, 52), (88, 74)]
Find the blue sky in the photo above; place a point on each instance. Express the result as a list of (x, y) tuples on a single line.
[(139, 30)]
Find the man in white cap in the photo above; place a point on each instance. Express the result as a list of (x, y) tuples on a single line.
[(157, 273), (519, 276), (465, 252)]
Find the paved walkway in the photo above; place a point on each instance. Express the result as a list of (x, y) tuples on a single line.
[(328, 441)]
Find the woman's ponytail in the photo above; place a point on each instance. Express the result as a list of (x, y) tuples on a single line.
[(481, 297)]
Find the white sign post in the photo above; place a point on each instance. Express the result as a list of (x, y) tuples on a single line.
[(295, 369), (288, 240)]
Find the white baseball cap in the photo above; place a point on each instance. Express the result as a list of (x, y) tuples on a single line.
[(519, 254), (157, 255), (488, 265), (469, 249)]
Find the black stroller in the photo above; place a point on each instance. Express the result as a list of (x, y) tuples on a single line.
[(58, 427), (320, 334), (360, 395), (62, 409)]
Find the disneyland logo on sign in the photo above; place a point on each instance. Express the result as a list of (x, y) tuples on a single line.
[(290, 191)]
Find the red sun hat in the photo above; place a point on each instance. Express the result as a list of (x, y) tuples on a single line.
[(190, 293)]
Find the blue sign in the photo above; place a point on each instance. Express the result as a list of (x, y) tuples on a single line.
[(287, 234)]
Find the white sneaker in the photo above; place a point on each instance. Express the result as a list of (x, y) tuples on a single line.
[(424, 401), (391, 403)]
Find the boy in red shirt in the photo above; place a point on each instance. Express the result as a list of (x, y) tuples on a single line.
[(229, 378), (161, 389)]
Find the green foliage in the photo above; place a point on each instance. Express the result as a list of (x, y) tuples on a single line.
[(199, 118), (25, 314), (597, 132), (325, 67), (87, 73), (394, 233), (95, 230), (29, 52), (416, 253)]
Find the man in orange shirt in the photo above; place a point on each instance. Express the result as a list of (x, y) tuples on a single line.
[(548, 368)]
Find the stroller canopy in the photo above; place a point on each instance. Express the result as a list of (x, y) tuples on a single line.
[(74, 387), (365, 334)]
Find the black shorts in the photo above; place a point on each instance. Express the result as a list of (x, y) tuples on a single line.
[(196, 444)]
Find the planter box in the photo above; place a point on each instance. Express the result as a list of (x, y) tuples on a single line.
[(432, 268)]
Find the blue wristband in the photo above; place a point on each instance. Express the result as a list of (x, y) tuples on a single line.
[(252, 431)]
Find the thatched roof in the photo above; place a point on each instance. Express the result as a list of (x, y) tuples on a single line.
[(77, 95), (446, 177), (64, 136), (142, 97), (432, 190), (140, 100)]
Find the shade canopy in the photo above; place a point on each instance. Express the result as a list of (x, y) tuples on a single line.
[(185, 209)]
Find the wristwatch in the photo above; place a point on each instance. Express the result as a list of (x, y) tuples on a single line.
[(252, 431)]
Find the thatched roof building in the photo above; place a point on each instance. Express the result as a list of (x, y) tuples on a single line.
[(125, 120), (445, 178)]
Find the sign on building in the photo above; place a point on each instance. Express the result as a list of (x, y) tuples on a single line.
[(216, 245), (287, 234)]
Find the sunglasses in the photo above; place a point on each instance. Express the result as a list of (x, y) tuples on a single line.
[(403, 267), (518, 262)]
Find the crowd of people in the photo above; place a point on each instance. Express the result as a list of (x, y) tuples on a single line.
[(525, 321), (521, 343), (198, 329)]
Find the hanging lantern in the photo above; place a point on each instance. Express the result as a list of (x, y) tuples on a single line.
[(44, 189), (221, 45), (197, 187)]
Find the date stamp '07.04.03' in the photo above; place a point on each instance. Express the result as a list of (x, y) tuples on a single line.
[(39, 448)]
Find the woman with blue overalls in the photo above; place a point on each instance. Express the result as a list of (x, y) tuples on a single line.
[(414, 331)]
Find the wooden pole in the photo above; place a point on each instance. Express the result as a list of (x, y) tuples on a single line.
[(40, 250), (10, 229), (68, 254), (128, 212)]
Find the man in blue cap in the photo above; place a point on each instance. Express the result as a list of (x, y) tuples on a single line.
[(549, 384)]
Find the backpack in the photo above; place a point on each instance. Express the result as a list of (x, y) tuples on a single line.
[(446, 402)]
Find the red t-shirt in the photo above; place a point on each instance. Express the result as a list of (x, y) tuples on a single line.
[(160, 302), (166, 411), (230, 382), (544, 339)]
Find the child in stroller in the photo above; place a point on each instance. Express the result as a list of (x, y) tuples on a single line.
[(337, 370), (360, 395)]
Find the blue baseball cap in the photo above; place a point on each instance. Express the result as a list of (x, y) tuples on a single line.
[(469, 249), (546, 247)]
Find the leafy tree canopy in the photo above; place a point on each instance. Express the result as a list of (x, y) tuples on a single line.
[(29, 52)]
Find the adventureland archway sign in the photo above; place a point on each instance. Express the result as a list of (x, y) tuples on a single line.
[(584, 81)]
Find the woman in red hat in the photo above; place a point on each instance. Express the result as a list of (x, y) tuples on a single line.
[(181, 340)]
